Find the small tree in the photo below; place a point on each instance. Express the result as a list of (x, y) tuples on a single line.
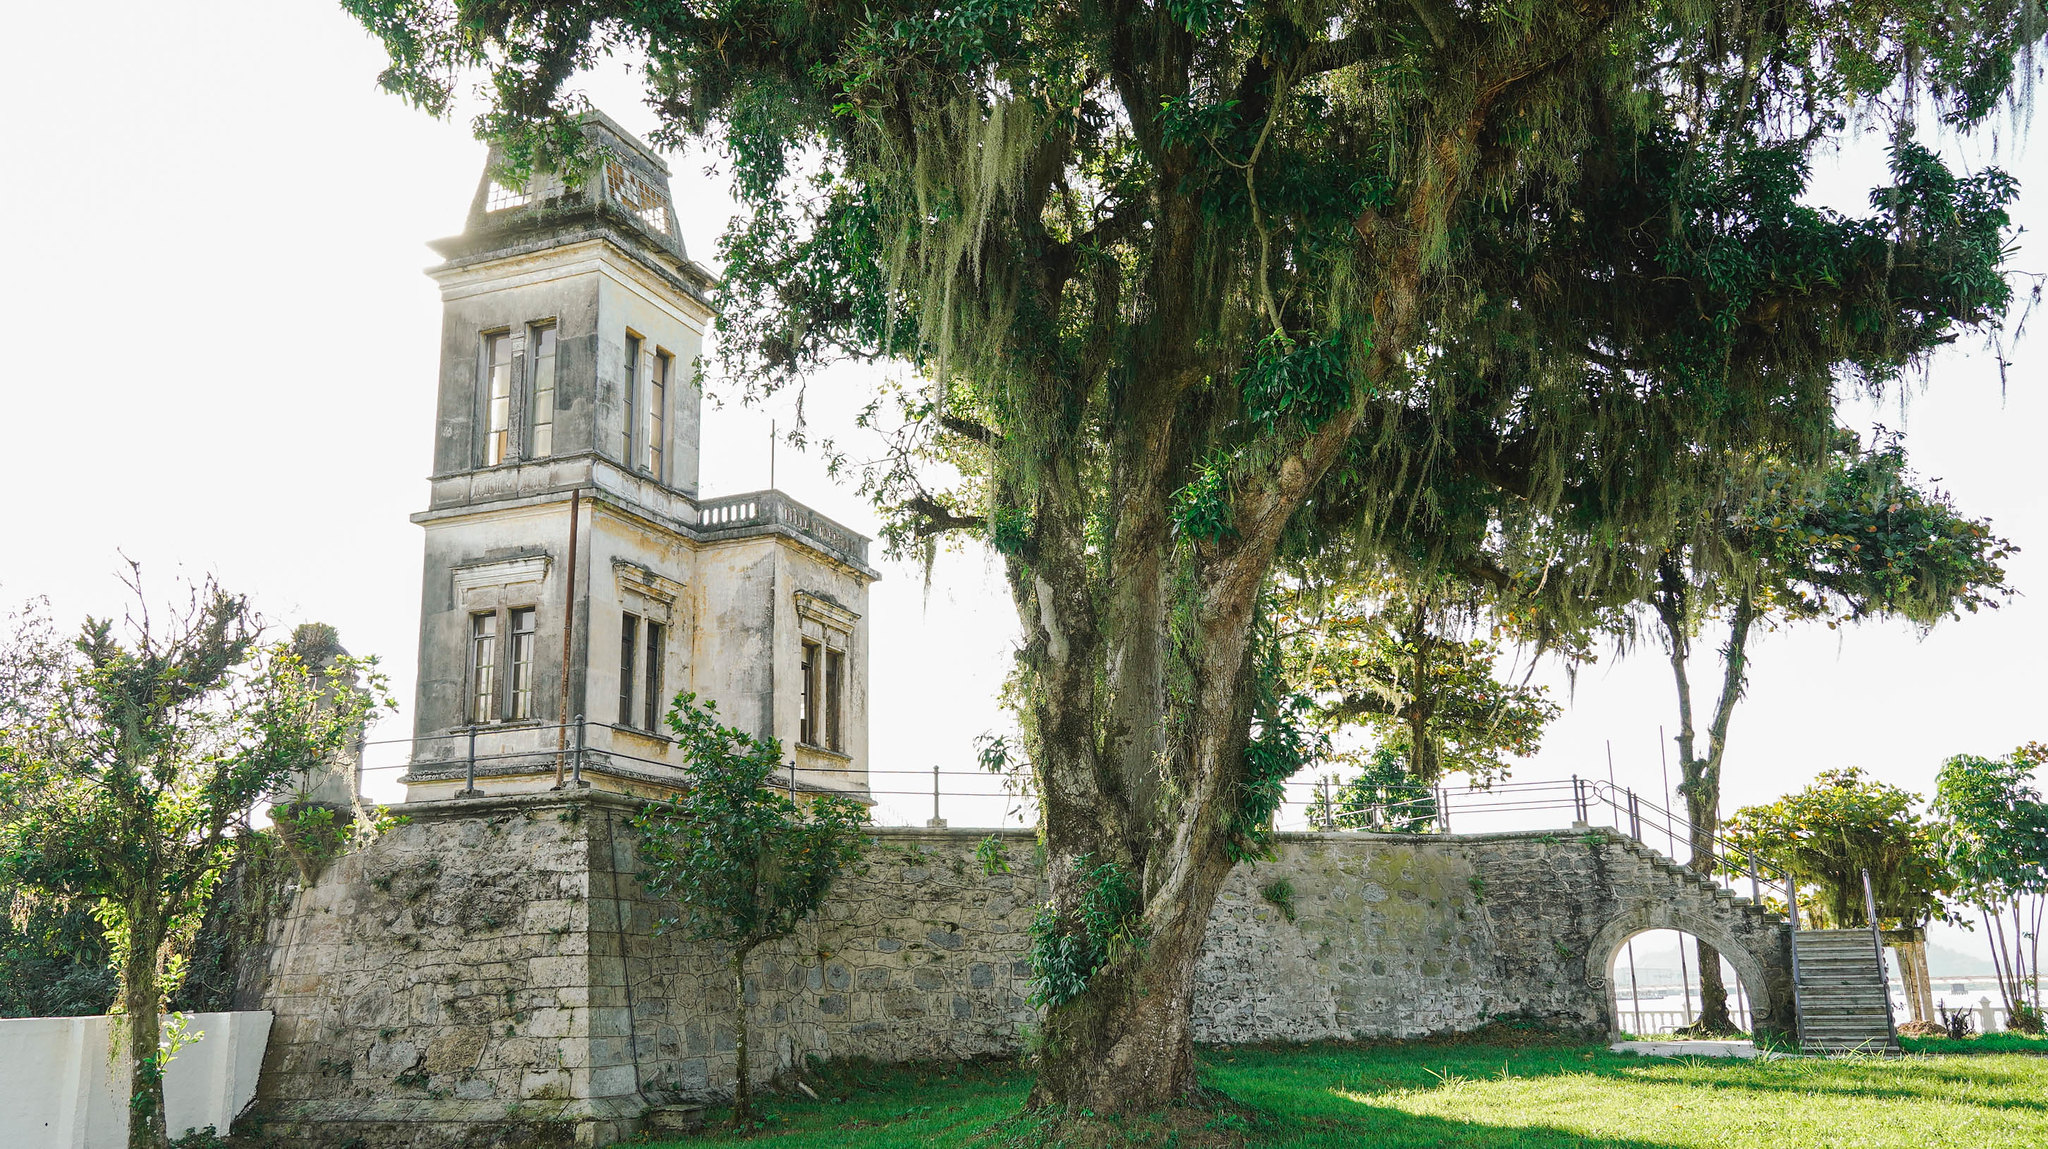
[(742, 861), (1828, 834), (1994, 832), (1843, 824), (129, 762), (1410, 664)]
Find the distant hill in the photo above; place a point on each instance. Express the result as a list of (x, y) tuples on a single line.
[(1945, 962)]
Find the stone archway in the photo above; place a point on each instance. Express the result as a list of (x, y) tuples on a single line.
[(1767, 976)]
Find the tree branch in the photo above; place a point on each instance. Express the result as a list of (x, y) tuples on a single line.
[(937, 518), (969, 429)]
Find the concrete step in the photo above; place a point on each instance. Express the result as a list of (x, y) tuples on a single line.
[(673, 1118)]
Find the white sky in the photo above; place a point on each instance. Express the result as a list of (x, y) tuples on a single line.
[(225, 355)]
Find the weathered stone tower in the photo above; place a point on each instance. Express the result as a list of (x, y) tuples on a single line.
[(571, 570)]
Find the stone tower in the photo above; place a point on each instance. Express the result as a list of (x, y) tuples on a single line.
[(571, 568)]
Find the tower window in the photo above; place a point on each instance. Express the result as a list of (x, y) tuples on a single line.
[(521, 707), (807, 697), (652, 439), (651, 703), (835, 695), (541, 410), (483, 665), (497, 397), (629, 645), (632, 387)]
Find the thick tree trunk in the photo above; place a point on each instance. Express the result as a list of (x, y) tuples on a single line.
[(142, 997), (1910, 947), (1126, 1044)]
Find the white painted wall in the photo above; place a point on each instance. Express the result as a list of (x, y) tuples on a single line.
[(64, 1086)]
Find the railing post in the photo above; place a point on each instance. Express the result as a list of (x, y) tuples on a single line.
[(1884, 980), (1443, 808), (937, 823), (1792, 935), (469, 789), (1329, 811), (582, 738), (1756, 889), (1635, 817), (1578, 802)]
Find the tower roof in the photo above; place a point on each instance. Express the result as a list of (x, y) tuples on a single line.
[(621, 190)]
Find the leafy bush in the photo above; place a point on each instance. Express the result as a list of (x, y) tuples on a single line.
[(2025, 1019), (1957, 1026), (1281, 894)]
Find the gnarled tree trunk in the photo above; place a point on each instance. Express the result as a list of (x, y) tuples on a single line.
[(142, 998), (1700, 776)]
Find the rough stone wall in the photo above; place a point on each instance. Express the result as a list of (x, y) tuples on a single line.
[(492, 971), (445, 987)]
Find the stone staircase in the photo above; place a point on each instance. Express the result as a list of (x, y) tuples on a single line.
[(1688, 877), (1842, 1000)]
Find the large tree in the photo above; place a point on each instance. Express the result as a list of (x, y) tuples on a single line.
[(1187, 281), (1853, 537), (131, 759)]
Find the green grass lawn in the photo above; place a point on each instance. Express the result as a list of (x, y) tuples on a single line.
[(1481, 1097), (2007, 1042)]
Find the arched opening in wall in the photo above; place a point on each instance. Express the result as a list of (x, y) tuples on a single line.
[(1656, 980)]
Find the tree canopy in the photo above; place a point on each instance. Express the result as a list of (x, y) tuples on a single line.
[(1414, 674), (1187, 285), (1843, 824)]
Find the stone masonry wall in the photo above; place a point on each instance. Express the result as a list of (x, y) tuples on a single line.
[(491, 974)]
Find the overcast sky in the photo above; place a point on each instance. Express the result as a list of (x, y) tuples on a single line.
[(225, 357)]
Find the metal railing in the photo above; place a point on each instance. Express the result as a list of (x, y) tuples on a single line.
[(978, 797)]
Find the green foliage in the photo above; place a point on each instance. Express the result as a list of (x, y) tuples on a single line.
[(54, 960), (1385, 797), (1009, 530), (1283, 741), (1828, 834), (1201, 508), (313, 835), (1280, 894), (994, 855), (740, 860), (1994, 829), (1289, 380), (1104, 927), (1861, 538), (1416, 675)]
